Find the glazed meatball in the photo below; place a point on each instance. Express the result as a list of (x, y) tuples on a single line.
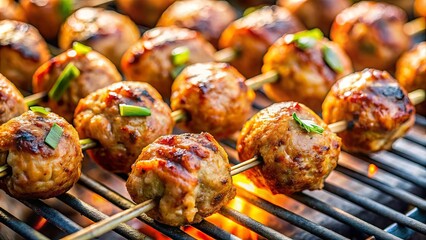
[(411, 72), (187, 175), (12, 102), (209, 17), (293, 159), (144, 12), (252, 35), (121, 138), (150, 60), (305, 75), (108, 32), (22, 51), (9, 9), (316, 13), (215, 98), (96, 72), (377, 109), (371, 34), (37, 169), (420, 7)]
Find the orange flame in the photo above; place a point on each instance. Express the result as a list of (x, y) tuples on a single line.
[(40, 223), (372, 170)]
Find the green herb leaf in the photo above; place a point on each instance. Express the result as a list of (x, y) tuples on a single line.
[(81, 48), (54, 136), (177, 70), (134, 111), (332, 59), (38, 109), (61, 85), (180, 56), (305, 39), (65, 8), (308, 125)]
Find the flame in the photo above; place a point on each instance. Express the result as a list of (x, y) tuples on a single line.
[(40, 223), (372, 170)]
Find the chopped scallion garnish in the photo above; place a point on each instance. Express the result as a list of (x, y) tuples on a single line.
[(65, 8), (61, 85), (81, 48), (38, 109), (332, 59), (308, 125), (54, 136), (180, 56), (305, 39), (134, 111)]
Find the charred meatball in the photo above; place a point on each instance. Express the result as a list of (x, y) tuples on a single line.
[(37, 169), (150, 60), (96, 72), (305, 74), (411, 72), (9, 9), (187, 175), (377, 109), (144, 12), (215, 98), (22, 51), (209, 17), (371, 34), (293, 159), (12, 102), (121, 138), (107, 32), (252, 35)]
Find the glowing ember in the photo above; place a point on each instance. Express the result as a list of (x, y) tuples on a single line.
[(372, 170), (40, 223)]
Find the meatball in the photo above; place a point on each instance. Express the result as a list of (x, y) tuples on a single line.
[(252, 35), (22, 51), (96, 72), (305, 75), (144, 12), (255, 3), (187, 175), (209, 17), (107, 32), (9, 9), (293, 159), (316, 13), (149, 60), (377, 109), (371, 34), (121, 138), (411, 72), (12, 102), (215, 98), (37, 169)]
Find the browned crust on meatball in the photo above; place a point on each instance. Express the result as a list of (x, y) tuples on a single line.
[(121, 138), (96, 72), (9, 9), (149, 60), (187, 175), (377, 109), (144, 12), (37, 170), (293, 159), (12, 102)]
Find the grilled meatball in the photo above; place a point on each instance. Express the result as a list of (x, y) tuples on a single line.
[(252, 35), (144, 12), (255, 3), (215, 98), (420, 7), (38, 170), (293, 159), (12, 102), (371, 34), (107, 32), (187, 175), (149, 60), (305, 76), (377, 109), (9, 9), (22, 51), (121, 138), (209, 17), (316, 13), (411, 72), (96, 72)]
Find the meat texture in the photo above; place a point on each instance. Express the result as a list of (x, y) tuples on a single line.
[(293, 159), (36, 169), (12, 102), (187, 175), (121, 138), (9, 9), (144, 12), (377, 109)]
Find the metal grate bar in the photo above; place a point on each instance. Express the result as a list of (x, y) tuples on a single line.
[(288, 216), (403, 152), (376, 207), (420, 120), (405, 232), (214, 231), (342, 216), (20, 227), (254, 225), (395, 192), (95, 215), (52, 215)]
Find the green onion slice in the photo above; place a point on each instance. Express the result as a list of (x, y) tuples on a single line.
[(252, 9), (38, 109), (177, 70), (65, 8), (61, 85), (308, 125), (54, 136), (332, 59), (80, 48), (180, 56), (134, 111), (305, 39)]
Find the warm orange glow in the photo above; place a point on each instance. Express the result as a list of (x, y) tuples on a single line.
[(196, 233), (40, 223), (372, 170)]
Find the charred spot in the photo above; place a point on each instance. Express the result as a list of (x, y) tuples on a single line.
[(218, 198), (203, 87), (389, 91), (224, 181), (26, 141), (279, 159), (139, 94), (133, 137), (178, 155), (297, 158), (242, 86), (321, 149)]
